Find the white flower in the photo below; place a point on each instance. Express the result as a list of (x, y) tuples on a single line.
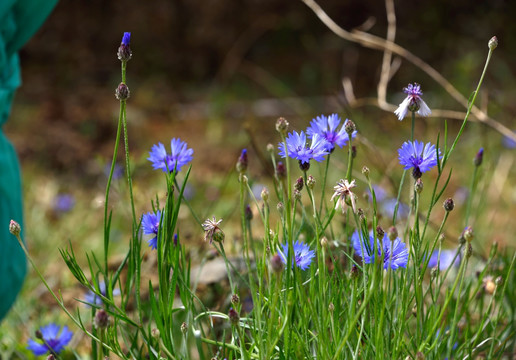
[(412, 102)]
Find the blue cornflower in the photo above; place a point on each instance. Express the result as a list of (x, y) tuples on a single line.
[(94, 299), (508, 142), (297, 148), (64, 203), (413, 102), (326, 127), (413, 155), (445, 261), (179, 157), (302, 255), (53, 342), (395, 253), (150, 225), (126, 39)]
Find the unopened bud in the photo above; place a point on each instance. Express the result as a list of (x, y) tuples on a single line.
[(310, 182), (354, 272), (155, 333), (38, 334), (270, 148), (434, 272), (122, 92), (242, 162), (448, 204), (277, 264), (418, 186), (248, 213), (233, 316), (282, 125), (51, 357), (219, 236), (101, 320), (324, 242), (298, 185), (499, 281), (392, 233), (297, 194), (493, 43), (235, 299), (420, 356), (265, 194), (489, 285), (184, 327), (281, 170), (365, 171), (477, 161), (379, 232), (331, 308), (14, 228), (468, 233), (280, 207), (349, 127)]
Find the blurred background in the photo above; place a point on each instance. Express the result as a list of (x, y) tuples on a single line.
[(218, 74)]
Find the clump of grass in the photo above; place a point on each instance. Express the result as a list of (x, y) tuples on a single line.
[(328, 277)]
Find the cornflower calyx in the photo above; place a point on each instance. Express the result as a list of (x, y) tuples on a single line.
[(413, 102)]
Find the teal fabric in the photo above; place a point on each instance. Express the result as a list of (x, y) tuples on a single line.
[(19, 20)]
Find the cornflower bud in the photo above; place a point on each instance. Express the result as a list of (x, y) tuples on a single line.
[(310, 182), (365, 171), (468, 233), (14, 228), (242, 162), (282, 125), (297, 194), (270, 148), (233, 316), (379, 232), (392, 233), (477, 161), (448, 204), (493, 43), (324, 242), (277, 264), (280, 207), (298, 185), (101, 320), (420, 356), (281, 170), (331, 308), (499, 281), (248, 213), (124, 51), (219, 236), (354, 272), (265, 194), (51, 357), (469, 250), (418, 186), (155, 333), (184, 328), (122, 92), (489, 285), (235, 299), (349, 127)]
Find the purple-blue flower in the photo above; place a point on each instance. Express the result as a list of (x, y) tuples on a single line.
[(413, 102), (126, 39), (418, 156), (150, 225), (64, 203), (94, 299), (302, 255), (446, 259), (297, 148), (53, 341), (326, 127), (179, 157), (395, 253), (508, 142)]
